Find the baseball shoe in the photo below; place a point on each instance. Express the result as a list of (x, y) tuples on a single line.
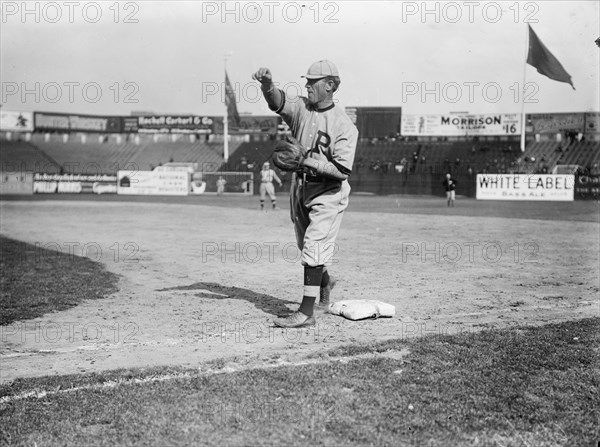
[(297, 319), (325, 291)]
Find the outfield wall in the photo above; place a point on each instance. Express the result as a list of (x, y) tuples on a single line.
[(409, 183)]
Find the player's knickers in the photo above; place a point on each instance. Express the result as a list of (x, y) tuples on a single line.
[(450, 195), (267, 188), (317, 219)]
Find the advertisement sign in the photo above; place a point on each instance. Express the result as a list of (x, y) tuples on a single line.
[(587, 187), (461, 124), (539, 187), (592, 122), (153, 183), (250, 124), (16, 183), (552, 123), (175, 124), (11, 121), (76, 123), (129, 124), (74, 183)]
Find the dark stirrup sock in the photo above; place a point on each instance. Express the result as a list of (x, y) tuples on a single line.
[(325, 277), (312, 286)]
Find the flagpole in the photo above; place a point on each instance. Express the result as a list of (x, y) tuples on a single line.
[(523, 119), (225, 122)]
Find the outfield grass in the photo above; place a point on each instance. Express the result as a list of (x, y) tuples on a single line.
[(36, 281), (520, 386)]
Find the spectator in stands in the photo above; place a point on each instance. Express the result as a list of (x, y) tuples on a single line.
[(450, 186), (595, 170)]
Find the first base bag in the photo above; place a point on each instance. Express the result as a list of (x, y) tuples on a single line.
[(361, 309)]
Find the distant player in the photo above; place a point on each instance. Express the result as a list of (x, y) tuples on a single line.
[(267, 175), (320, 189), (221, 182), (450, 186)]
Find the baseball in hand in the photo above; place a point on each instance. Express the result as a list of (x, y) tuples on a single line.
[(263, 75)]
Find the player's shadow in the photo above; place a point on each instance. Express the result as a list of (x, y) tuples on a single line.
[(266, 303)]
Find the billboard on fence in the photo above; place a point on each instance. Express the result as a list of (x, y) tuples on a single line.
[(587, 187), (76, 123), (552, 123), (538, 187), (129, 124), (175, 124), (74, 183), (16, 182), (592, 122), (153, 183), (461, 124), (267, 124), (11, 121)]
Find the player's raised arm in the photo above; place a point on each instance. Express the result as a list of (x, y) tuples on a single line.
[(271, 93)]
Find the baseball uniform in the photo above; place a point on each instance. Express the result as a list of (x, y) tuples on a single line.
[(267, 176), (318, 203)]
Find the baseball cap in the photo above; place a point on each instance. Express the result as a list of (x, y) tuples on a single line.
[(321, 69)]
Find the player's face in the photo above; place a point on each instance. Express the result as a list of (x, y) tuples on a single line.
[(316, 90)]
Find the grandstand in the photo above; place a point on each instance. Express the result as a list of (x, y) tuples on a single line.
[(392, 164), (103, 154), (25, 157), (437, 157), (253, 153)]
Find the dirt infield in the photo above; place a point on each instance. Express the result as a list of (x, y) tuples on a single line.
[(203, 282)]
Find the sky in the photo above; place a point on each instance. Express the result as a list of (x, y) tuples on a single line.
[(112, 58)]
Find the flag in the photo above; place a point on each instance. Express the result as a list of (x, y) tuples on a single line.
[(233, 117), (544, 61)]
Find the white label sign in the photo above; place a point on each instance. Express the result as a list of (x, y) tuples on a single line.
[(525, 187)]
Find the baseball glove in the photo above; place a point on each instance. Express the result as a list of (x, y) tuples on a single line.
[(288, 154)]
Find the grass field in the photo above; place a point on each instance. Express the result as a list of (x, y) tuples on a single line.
[(515, 372)]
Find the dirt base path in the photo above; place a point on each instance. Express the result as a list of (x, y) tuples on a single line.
[(200, 283)]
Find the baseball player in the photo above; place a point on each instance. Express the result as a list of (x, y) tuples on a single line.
[(221, 182), (267, 175), (320, 189), (450, 186)]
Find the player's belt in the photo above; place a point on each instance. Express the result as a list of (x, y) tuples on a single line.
[(319, 179), (314, 179)]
